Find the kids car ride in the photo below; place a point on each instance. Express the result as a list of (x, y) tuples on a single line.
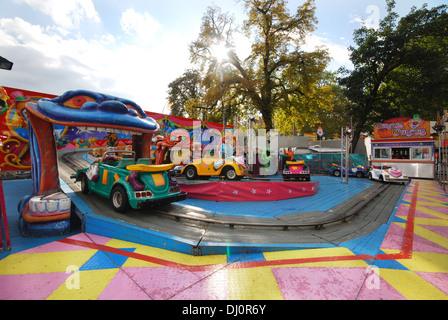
[(129, 182), (296, 170), (358, 171), (208, 167), (387, 174)]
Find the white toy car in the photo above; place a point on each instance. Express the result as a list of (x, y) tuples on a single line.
[(387, 174)]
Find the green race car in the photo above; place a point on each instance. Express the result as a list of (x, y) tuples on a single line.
[(129, 182)]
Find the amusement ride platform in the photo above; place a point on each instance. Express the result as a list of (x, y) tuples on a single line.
[(336, 214)]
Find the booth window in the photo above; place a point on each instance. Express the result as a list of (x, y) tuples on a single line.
[(400, 153), (421, 153), (382, 153)]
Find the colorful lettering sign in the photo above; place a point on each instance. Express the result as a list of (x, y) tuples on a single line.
[(403, 128)]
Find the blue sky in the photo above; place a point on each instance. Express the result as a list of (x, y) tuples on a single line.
[(135, 48)]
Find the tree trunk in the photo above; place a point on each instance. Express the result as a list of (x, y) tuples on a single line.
[(266, 112), (355, 139)]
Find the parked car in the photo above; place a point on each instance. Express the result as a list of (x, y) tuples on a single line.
[(358, 171), (296, 170), (387, 174), (128, 182), (209, 167)]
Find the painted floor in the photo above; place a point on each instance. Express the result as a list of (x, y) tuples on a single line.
[(412, 263)]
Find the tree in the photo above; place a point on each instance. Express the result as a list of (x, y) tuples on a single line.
[(205, 98), (395, 52), (323, 105), (277, 74), (185, 91)]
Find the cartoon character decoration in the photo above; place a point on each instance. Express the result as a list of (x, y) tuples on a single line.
[(289, 153), (47, 211), (164, 144), (112, 139), (320, 133)]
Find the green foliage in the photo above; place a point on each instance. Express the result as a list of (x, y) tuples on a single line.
[(400, 69), (277, 76)]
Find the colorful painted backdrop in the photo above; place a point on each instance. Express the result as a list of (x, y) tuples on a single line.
[(14, 148)]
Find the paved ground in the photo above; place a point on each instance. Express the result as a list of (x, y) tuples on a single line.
[(411, 262)]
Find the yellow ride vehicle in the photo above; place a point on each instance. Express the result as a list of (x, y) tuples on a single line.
[(209, 167)]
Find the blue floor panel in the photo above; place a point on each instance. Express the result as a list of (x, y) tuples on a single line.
[(331, 192)]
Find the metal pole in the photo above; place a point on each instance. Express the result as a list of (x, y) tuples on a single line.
[(347, 156), (320, 154), (342, 150), (442, 159)]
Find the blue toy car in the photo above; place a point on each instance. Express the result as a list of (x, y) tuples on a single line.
[(358, 171)]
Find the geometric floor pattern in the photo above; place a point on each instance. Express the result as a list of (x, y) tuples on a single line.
[(412, 263)]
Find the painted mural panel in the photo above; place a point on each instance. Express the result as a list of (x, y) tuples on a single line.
[(14, 147), (14, 140)]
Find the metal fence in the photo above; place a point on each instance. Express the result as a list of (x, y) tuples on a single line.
[(322, 163)]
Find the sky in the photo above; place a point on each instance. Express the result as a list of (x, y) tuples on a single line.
[(134, 48)]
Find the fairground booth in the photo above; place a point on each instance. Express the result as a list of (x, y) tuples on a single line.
[(405, 143)]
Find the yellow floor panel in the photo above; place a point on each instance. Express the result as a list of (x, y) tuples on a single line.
[(431, 222), (427, 262), (253, 284), (91, 284), (431, 236), (165, 255), (411, 286), (46, 262)]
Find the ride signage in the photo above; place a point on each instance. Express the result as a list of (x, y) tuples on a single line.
[(402, 128)]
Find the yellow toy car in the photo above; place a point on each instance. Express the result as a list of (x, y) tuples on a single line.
[(207, 168)]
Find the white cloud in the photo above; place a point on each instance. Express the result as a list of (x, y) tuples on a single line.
[(47, 61), (67, 13), (339, 53), (143, 25)]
